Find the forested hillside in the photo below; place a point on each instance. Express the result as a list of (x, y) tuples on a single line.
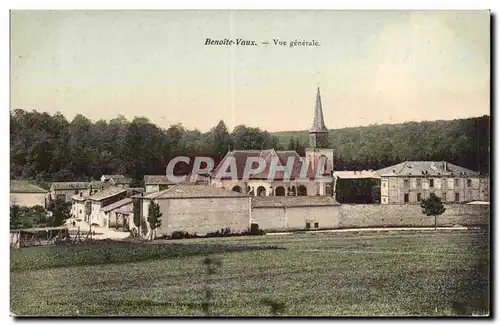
[(465, 142), (49, 148)]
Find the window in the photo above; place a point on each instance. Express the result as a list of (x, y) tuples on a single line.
[(443, 196), (469, 183), (316, 225), (457, 197), (456, 182), (80, 211), (384, 200), (407, 198), (308, 225), (406, 182), (384, 184), (419, 183), (76, 191), (431, 183), (419, 197)]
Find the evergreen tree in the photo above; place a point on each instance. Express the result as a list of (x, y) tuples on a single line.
[(154, 216), (432, 206), (137, 213)]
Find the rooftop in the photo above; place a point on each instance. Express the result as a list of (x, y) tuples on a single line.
[(24, 186), (425, 168), (356, 175), (106, 193), (193, 191), (117, 204), (73, 185), (157, 180)]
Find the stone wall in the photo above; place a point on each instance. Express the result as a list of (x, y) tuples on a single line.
[(353, 216), (203, 215), (295, 218), (364, 216)]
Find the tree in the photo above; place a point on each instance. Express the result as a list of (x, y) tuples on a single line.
[(60, 213), (137, 213), (14, 217), (433, 206), (154, 216)]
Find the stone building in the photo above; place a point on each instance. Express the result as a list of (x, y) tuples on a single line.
[(24, 193), (66, 190), (319, 156), (411, 181), (100, 200), (197, 209)]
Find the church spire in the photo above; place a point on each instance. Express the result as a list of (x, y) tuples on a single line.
[(319, 122)]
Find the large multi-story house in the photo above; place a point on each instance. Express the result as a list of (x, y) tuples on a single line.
[(411, 181)]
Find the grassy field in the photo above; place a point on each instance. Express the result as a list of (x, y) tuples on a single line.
[(386, 274)]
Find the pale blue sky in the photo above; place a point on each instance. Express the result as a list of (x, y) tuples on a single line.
[(372, 66)]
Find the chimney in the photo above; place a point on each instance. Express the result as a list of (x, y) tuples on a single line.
[(445, 166)]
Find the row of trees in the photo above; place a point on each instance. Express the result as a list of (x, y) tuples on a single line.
[(50, 148)]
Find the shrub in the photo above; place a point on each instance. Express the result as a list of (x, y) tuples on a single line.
[(182, 235)]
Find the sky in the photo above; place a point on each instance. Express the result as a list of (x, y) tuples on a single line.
[(372, 67)]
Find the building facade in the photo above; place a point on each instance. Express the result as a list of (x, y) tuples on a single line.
[(303, 180), (197, 209), (66, 190), (411, 181), (24, 193)]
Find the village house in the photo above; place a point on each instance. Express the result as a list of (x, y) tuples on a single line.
[(260, 185), (66, 190), (114, 218), (155, 183), (197, 209), (102, 199), (356, 186), (411, 181), (116, 180), (79, 208), (24, 193)]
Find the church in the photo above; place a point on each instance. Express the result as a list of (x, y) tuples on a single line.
[(318, 154)]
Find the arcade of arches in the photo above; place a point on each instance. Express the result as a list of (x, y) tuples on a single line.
[(281, 190)]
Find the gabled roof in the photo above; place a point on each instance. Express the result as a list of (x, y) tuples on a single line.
[(117, 204), (318, 123), (69, 185), (112, 176), (74, 185), (193, 191), (157, 180), (356, 175), (120, 179), (425, 168), (293, 201), (24, 186), (106, 193), (241, 157)]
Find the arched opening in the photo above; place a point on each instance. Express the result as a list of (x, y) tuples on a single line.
[(302, 190), (237, 189), (280, 191), (292, 191), (261, 191), (323, 164), (328, 190)]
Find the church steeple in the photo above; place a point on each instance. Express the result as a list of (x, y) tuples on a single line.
[(318, 134), (319, 122)]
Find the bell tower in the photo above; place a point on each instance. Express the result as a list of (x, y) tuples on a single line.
[(319, 154)]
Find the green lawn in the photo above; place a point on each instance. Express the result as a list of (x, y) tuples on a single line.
[(421, 273)]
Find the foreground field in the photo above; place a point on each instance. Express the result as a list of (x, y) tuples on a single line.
[(424, 273)]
